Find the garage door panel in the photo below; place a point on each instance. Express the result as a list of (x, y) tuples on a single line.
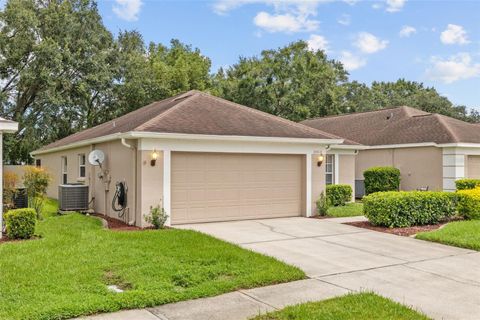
[(473, 169), (219, 187)]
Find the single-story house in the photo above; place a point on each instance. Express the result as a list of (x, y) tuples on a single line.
[(431, 150), (6, 126), (201, 158)]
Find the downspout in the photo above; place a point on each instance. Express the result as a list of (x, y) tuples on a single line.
[(134, 149)]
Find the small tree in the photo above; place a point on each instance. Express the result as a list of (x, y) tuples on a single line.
[(157, 217), (322, 205), (36, 181), (10, 181)]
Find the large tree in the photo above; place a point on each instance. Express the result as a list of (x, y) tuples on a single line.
[(57, 64), (292, 82)]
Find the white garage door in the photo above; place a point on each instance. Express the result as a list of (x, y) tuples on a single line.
[(222, 187)]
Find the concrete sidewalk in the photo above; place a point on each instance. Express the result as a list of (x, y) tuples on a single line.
[(441, 281), (238, 305)]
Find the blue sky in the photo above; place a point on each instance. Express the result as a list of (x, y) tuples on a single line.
[(435, 42)]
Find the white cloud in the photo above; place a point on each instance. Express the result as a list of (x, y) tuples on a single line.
[(284, 22), (351, 2), (127, 9), (288, 15), (407, 31), (454, 34), (368, 43), (457, 67), (352, 62), (317, 42), (395, 5), (344, 20), (377, 6)]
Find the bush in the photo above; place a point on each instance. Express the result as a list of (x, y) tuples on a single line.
[(20, 223), (380, 179), (157, 217), (465, 184), (339, 194), (36, 181), (469, 203), (408, 208), (322, 205), (10, 182)]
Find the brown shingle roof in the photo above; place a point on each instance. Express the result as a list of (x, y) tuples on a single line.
[(196, 112), (399, 125)]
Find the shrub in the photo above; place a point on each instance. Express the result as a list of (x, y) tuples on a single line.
[(465, 184), (36, 181), (380, 179), (408, 208), (469, 203), (10, 181), (157, 217), (339, 194), (20, 223), (322, 205)]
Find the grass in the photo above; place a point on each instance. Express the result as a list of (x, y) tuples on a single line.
[(66, 272), (348, 210), (351, 306), (50, 208), (464, 234)]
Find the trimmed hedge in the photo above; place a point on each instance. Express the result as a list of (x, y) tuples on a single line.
[(465, 184), (380, 179), (339, 194), (20, 223), (469, 203), (408, 208)]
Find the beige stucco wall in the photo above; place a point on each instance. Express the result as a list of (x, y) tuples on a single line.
[(419, 167), (119, 166), (346, 171), (52, 163), (150, 184), (318, 182), (18, 170)]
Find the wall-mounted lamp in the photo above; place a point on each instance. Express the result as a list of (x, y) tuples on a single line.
[(320, 159), (153, 161)]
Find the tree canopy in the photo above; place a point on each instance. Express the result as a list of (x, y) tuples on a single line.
[(62, 71)]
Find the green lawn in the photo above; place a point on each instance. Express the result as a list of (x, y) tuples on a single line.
[(465, 234), (348, 210), (50, 208), (349, 307), (66, 272)]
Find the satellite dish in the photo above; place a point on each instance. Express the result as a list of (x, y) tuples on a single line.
[(96, 157)]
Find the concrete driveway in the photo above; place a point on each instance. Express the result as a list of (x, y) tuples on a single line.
[(441, 281)]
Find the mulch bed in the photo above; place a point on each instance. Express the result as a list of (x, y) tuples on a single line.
[(406, 232), (115, 224), (5, 239)]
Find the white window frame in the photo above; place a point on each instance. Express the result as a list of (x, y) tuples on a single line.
[(64, 169), (330, 159), (81, 156)]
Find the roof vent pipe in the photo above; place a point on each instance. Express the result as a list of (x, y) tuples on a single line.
[(390, 116)]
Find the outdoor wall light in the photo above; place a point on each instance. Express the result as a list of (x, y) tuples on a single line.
[(153, 161), (320, 159)]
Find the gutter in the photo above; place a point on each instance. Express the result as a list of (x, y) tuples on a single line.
[(182, 136)]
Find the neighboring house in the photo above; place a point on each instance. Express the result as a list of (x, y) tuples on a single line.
[(216, 161), (431, 150)]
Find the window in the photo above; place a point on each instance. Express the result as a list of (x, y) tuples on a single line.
[(38, 163), (81, 166), (64, 170), (330, 169)]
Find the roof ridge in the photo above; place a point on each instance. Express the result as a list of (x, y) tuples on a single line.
[(446, 126), (186, 96), (363, 112), (271, 116)]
